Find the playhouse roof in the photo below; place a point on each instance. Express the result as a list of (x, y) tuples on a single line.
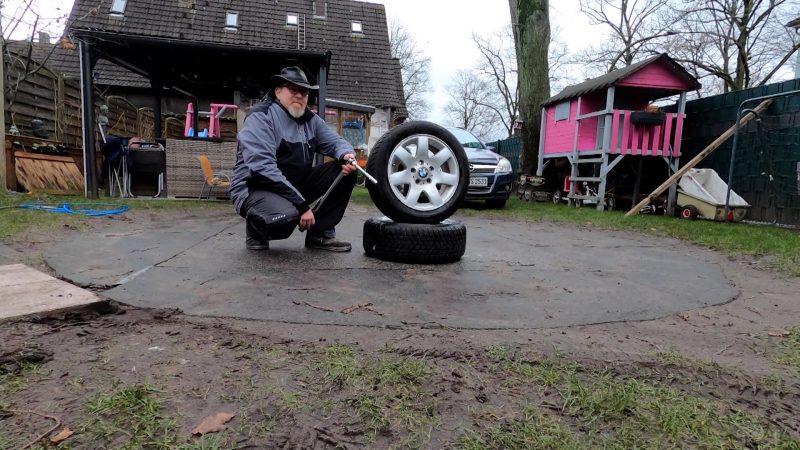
[(613, 77)]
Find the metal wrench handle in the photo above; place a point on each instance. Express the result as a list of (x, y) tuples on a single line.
[(368, 176), (328, 192)]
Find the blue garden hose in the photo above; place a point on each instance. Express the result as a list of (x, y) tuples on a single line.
[(84, 209)]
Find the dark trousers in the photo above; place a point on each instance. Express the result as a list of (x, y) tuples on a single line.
[(271, 217)]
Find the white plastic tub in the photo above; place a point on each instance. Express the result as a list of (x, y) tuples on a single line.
[(701, 193)]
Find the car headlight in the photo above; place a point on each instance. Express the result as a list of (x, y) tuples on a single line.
[(503, 166)]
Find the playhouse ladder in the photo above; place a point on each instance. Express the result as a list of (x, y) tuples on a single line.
[(576, 160)]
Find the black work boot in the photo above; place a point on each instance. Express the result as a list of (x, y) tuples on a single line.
[(329, 244), (253, 240)]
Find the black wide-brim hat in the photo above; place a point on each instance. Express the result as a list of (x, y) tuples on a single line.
[(293, 75)]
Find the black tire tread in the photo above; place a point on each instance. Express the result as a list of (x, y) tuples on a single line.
[(440, 243)]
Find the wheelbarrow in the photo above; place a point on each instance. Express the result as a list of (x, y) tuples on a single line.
[(701, 193)]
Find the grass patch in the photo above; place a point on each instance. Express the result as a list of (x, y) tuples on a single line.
[(135, 413), (595, 409), (385, 393), (11, 383), (532, 430), (788, 351), (15, 220)]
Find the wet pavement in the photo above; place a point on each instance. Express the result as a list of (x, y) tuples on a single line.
[(513, 275)]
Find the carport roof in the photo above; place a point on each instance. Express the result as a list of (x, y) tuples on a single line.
[(198, 67)]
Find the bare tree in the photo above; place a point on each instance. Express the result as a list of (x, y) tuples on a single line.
[(27, 22), (637, 28), (415, 69), (559, 63), (530, 21), (735, 43), (467, 108), (498, 68)]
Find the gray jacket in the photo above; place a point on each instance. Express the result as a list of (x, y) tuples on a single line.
[(276, 152)]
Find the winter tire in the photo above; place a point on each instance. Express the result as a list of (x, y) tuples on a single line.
[(387, 240), (422, 173)]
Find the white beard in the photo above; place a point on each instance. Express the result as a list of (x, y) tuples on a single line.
[(296, 111)]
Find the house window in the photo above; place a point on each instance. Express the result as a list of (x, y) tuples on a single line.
[(118, 7), (562, 111), (292, 20), (355, 27), (232, 20)]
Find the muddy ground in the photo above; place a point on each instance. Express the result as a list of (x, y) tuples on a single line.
[(121, 377)]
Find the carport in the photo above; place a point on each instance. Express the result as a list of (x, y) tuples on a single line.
[(190, 67)]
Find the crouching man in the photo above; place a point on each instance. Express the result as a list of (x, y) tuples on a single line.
[(273, 179)]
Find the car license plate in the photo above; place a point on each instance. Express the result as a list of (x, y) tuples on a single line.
[(478, 181)]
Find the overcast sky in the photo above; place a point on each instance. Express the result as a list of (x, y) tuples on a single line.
[(442, 29)]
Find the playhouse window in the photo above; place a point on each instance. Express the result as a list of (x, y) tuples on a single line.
[(562, 111)]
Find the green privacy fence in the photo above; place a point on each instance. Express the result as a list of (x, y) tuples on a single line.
[(509, 148), (767, 167)]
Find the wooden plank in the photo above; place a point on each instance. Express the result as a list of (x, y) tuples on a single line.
[(614, 133), (46, 173), (656, 140), (667, 135), (676, 146), (626, 128), (39, 293), (700, 156)]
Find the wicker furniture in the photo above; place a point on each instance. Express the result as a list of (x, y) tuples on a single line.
[(184, 174)]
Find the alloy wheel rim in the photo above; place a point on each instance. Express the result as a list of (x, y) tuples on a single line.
[(423, 172)]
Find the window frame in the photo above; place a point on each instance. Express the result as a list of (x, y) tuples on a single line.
[(118, 11), (558, 112), (354, 24), (231, 14)]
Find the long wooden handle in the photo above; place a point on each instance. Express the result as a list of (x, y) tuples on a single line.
[(702, 155)]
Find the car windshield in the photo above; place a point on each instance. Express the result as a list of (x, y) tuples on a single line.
[(465, 138)]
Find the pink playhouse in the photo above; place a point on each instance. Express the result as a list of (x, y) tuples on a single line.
[(595, 124)]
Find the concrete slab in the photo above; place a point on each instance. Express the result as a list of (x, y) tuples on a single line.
[(25, 291), (513, 275)]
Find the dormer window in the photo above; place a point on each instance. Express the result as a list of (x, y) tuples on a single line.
[(292, 19), (231, 20), (320, 9), (355, 27), (117, 7)]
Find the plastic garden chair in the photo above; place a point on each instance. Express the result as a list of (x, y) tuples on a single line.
[(212, 179)]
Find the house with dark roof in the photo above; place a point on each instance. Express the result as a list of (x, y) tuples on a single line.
[(225, 52)]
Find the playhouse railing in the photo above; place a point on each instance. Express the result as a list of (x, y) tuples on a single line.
[(662, 139)]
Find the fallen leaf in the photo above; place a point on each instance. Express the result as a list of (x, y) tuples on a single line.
[(213, 423), (64, 434), (780, 333)]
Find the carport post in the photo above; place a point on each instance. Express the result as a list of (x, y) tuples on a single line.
[(323, 91), (156, 84), (87, 117)]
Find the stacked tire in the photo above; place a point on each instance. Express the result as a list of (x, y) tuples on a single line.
[(422, 173)]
